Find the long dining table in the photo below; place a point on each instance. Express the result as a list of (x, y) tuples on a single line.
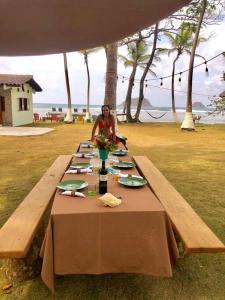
[(85, 237)]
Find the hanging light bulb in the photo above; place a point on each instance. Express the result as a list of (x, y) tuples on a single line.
[(146, 85), (161, 83), (179, 80), (206, 67), (123, 80)]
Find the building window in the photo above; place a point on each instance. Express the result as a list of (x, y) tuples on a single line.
[(18, 89), (23, 104), (2, 103), (28, 91)]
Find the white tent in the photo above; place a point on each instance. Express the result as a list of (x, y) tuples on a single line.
[(34, 27)]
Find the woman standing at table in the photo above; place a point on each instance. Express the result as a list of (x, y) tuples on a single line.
[(105, 123)]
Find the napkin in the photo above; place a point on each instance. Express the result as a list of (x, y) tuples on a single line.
[(86, 146), (109, 200), (127, 175), (73, 194), (85, 155), (78, 171)]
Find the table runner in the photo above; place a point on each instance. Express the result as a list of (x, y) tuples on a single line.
[(84, 237)]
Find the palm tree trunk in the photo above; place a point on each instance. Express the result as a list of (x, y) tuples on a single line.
[(69, 117), (88, 115), (175, 118), (188, 123), (129, 93), (111, 78), (141, 88)]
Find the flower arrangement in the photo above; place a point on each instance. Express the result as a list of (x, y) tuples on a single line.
[(101, 142)]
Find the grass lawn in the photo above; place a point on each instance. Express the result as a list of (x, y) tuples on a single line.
[(192, 161)]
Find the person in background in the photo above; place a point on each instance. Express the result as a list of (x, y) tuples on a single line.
[(105, 123)]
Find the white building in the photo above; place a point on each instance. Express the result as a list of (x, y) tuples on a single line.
[(16, 99)]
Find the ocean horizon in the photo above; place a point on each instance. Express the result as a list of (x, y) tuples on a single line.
[(147, 115)]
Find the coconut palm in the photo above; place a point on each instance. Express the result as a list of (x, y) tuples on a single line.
[(111, 78), (181, 43), (86, 54), (137, 57), (69, 117), (188, 123)]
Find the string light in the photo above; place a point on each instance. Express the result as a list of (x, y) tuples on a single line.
[(179, 73)]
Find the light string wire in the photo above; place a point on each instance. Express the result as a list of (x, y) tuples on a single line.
[(168, 76)]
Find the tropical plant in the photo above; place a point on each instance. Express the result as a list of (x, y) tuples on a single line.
[(181, 43), (86, 53), (201, 10), (69, 117), (137, 57), (148, 64), (217, 104), (111, 79)]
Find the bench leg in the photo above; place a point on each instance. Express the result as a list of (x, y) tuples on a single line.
[(19, 269)]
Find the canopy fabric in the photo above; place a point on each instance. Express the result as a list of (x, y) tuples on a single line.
[(54, 26)]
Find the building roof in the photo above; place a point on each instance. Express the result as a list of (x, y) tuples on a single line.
[(17, 80)]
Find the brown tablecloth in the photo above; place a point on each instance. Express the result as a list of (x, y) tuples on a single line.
[(85, 237)]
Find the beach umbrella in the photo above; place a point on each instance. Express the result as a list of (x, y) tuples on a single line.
[(45, 27)]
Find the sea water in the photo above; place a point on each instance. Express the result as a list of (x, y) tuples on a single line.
[(155, 114)]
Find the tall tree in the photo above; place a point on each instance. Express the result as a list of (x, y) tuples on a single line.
[(181, 43), (69, 117), (188, 123), (86, 53), (111, 77), (136, 57), (146, 70)]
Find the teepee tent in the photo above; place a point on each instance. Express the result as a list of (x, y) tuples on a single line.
[(55, 26)]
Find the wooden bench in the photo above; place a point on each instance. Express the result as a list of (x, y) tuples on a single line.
[(196, 236), (17, 233)]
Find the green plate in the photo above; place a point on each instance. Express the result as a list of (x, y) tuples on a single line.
[(132, 181), (124, 165), (69, 185), (120, 152), (80, 165)]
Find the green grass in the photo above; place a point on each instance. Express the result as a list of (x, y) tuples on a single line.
[(192, 161)]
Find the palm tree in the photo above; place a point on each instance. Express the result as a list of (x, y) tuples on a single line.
[(146, 70), (136, 57), (69, 117), (181, 43), (188, 123), (85, 54)]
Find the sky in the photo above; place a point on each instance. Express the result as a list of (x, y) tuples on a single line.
[(48, 71)]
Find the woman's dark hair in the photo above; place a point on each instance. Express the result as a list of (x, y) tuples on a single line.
[(108, 106)]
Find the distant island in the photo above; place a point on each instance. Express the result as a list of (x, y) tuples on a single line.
[(198, 105), (134, 102)]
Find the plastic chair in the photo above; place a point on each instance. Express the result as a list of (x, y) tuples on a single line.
[(54, 118), (60, 109), (75, 110), (53, 109), (84, 110), (36, 117)]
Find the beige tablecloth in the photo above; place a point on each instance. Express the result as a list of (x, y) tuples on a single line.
[(84, 237)]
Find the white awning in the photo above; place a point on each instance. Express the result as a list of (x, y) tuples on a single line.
[(34, 27)]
